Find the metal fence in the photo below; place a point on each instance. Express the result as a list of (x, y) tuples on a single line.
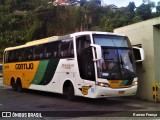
[(156, 92)]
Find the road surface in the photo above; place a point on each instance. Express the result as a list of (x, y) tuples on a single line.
[(55, 105)]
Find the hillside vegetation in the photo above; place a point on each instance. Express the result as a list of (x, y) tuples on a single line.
[(26, 20)]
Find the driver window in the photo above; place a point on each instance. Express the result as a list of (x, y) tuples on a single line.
[(85, 57), (82, 43)]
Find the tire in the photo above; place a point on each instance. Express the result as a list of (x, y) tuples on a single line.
[(13, 85), (69, 92), (19, 86)]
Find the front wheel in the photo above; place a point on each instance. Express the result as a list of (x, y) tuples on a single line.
[(69, 92)]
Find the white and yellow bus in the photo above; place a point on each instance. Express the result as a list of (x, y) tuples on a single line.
[(88, 64)]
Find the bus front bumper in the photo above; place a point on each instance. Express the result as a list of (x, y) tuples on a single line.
[(102, 92)]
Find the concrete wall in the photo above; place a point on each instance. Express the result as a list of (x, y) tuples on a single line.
[(156, 38), (148, 35)]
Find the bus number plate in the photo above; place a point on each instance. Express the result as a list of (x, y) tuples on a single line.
[(121, 92)]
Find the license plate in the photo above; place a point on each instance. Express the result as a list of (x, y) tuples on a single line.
[(121, 92)]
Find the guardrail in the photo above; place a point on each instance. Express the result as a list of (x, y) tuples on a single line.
[(156, 95)]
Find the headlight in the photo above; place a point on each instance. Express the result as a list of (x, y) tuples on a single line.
[(102, 84), (135, 83)]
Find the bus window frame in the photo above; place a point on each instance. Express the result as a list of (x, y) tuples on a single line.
[(28, 53)]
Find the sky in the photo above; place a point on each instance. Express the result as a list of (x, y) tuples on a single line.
[(124, 3)]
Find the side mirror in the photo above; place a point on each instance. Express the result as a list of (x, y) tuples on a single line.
[(98, 50), (139, 54)]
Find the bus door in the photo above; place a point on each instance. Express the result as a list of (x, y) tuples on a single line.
[(86, 79)]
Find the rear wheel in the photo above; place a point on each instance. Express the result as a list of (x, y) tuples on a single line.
[(19, 86), (13, 85)]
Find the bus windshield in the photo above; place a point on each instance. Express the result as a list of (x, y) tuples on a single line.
[(111, 40), (118, 61)]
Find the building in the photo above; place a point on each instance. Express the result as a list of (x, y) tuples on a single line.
[(146, 34), (66, 2)]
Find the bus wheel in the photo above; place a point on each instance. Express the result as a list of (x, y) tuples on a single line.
[(13, 85), (69, 92), (19, 86)]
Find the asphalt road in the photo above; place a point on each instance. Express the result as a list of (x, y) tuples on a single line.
[(55, 105)]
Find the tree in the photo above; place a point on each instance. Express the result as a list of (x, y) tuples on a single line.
[(136, 19), (26, 20), (83, 2), (131, 6), (149, 2), (146, 1), (144, 11), (158, 9)]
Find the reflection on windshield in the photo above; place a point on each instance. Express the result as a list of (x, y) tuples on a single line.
[(116, 64)]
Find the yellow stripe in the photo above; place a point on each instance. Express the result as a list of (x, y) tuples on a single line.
[(26, 75), (117, 84)]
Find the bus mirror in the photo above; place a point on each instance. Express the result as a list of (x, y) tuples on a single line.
[(98, 55), (139, 54)]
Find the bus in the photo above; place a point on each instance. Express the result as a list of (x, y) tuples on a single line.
[(89, 64)]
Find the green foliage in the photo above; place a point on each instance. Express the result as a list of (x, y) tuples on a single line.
[(144, 11), (131, 6), (158, 9), (26, 20), (136, 19)]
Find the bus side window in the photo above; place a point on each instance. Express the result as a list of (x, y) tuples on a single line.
[(52, 50), (85, 58), (58, 52), (39, 52), (82, 43), (15, 55), (56, 49), (28, 54), (20, 52), (18, 55), (11, 55), (71, 50), (55, 54), (48, 52), (66, 48), (6, 58)]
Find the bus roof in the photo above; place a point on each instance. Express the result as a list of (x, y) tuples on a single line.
[(36, 42), (96, 32), (57, 38)]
